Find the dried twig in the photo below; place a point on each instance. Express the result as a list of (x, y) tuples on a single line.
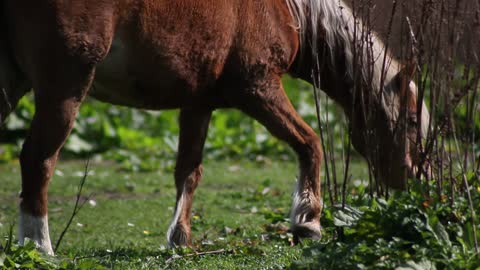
[(213, 252), (316, 89), (78, 205)]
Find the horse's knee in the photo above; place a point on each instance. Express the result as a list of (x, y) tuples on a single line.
[(316, 145), (36, 160), (188, 178), (310, 150)]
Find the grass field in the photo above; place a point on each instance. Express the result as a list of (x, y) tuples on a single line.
[(240, 214)]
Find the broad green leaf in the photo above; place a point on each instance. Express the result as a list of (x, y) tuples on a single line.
[(423, 265)]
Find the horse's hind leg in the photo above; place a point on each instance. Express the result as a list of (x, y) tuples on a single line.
[(268, 103), (188, 171), (58, 94)]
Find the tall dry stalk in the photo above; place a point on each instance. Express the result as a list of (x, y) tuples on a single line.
[(443, 36)]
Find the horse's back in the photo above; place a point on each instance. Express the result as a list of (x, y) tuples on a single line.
[(164, 53)]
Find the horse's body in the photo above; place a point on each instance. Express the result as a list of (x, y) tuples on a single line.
[(171, 62), (194, 55)]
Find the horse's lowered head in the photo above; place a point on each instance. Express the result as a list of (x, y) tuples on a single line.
[(390, 132)]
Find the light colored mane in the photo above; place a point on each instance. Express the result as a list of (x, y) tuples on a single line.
[(343, 31), (364, 52)]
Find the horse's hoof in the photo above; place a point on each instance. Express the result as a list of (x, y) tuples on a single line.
[(179, 238), (307, 230), (45, 249)]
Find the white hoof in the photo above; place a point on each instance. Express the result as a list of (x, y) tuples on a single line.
[(35, 229)]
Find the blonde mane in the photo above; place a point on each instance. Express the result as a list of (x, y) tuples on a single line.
[(366, 56), (342, 30)]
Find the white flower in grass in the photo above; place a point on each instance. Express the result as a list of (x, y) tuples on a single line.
[(92, 203)]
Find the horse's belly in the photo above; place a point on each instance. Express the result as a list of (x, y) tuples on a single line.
[(118, 81)]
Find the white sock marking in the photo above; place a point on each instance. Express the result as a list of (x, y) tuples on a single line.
[(302, 205), (173, 224), (36, 229)]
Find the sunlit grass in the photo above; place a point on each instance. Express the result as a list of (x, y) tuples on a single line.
[(125, 223)]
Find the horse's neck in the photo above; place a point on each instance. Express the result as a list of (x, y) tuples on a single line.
[(346, 56), (361, 86)]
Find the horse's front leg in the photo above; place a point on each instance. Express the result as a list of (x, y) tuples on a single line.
[(57, 98), (188, 171), (268, 103)]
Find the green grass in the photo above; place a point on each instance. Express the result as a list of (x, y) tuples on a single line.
[(240, 222), (236, 208)]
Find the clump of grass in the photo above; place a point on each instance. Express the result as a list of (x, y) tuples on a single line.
[(13, 256), (405, 231)]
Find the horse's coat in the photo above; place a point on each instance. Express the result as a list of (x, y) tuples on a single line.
[(199, 56)]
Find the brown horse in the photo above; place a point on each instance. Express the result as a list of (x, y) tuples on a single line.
[(199, 56)]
